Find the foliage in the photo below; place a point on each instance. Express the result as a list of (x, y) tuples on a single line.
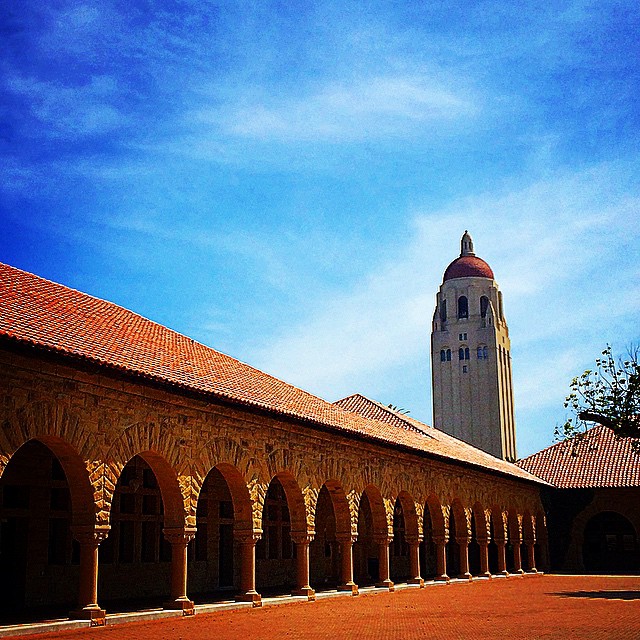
[(608, 395), (400, 410)]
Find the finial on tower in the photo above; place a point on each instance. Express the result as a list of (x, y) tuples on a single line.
[(466, 245)]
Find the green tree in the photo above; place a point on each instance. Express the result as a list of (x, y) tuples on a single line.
[(608, 395)]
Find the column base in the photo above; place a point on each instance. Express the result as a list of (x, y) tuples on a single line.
[(305, 591), (486, 574), (181, 604), (534, 570), (504, 573), (465, 576), (94, 613), (442, 578), (350, 587), (386, 584), (519, 572), (250, 596), (418, 581)]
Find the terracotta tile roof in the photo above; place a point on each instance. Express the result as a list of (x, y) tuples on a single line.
[(47, 315), (357, 403), (439, 442), (598, 460)]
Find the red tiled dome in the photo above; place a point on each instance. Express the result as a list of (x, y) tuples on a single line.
[(468, 267)]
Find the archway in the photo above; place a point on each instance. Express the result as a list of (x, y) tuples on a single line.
[(428, 559), (223, 510), (372, 527), (135, 560), (495, 533), (457, 530), (399, 557), (610, 544), (478, 531), (283, 516), (333, 527), (45, 489)]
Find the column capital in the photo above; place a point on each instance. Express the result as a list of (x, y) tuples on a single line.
[(463, 540), (484, 541), (382, 538), (248, 536), (346, 537), (441, 539), (302, 538), (90, 534), (413, 539), (179, 535)]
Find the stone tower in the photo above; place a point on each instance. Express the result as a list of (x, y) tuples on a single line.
[(471, 357)]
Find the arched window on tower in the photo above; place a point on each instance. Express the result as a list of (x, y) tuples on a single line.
[(463, 307), (443, 355), (448, 355), (482, 352), (463, 353), (484, 305)]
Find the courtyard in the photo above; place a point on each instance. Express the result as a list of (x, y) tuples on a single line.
[(544, 606)]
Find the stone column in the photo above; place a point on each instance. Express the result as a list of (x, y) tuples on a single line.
[(248, 593), (441, 558), (483, 543), (346, 578), (303, 588), (414, 561), (179, 538), (531, 555), (463, 554), (383, 564), (517, 559), (502, 557), (89, 539)]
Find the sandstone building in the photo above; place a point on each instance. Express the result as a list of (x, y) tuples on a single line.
[(137, 464), (471, 357), (592, 502)]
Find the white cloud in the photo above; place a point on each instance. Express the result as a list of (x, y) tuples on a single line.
[(377, 107)]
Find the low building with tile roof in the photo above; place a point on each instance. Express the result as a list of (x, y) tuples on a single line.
[(593, 501), (142, 462)]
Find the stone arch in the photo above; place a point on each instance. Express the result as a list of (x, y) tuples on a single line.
[(412, 530), (80, 487), (514, 522), (378, 510), (436, 512), (499, 523), (462, 518), (242, 509), (528, 527), (162, 451), (340, 506), (296, 502), (481, 518)]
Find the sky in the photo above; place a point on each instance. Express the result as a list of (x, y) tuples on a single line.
[(287, 182)]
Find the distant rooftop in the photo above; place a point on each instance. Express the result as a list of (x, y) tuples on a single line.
[(598, 460)]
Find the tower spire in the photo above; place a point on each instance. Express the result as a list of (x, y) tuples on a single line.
[(466, 245)]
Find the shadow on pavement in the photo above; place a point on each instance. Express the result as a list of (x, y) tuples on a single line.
[(607, 595)]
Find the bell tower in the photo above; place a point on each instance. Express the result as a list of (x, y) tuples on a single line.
[(471, 357)]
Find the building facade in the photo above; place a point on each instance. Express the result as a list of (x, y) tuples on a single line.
[(592, 502), (137, 465), (471, 358)]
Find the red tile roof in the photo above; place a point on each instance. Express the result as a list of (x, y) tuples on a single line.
[(599, 459), (47, 315)]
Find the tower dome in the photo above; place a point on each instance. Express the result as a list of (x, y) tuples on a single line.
[(468, 265)]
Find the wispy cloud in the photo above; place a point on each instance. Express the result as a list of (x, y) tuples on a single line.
[(70, 111), (342, 112)]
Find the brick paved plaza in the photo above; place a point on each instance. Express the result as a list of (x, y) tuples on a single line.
[(528, 607)]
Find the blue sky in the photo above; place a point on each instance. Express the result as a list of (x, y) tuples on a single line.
[(286, 182)]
